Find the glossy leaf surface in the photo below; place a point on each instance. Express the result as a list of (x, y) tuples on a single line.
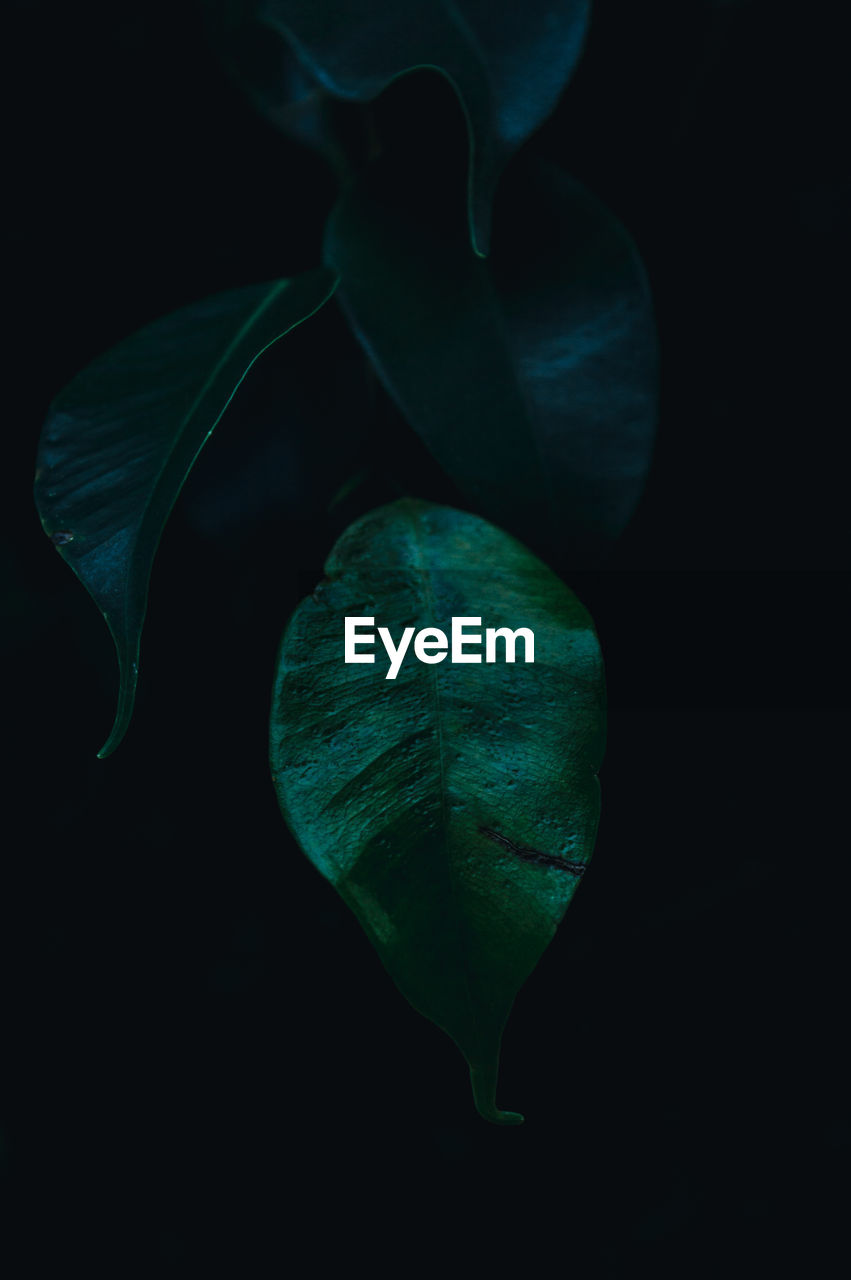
[(508, 64), (454, 807), (531, 377), (121, 438)]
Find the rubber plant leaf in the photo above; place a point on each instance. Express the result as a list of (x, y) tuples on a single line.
[(121, 438), (531, 377), (508, 65), (263, 65), (454, 808)]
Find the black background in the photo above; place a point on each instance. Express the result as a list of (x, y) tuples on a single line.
[(202, 1058)]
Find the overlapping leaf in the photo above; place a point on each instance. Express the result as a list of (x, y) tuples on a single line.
[(121, 438), (264, 66), (508, 64), (454, 808), (532, 377)]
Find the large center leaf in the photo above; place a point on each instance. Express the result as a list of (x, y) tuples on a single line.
[(507, 63), (121, 438), (454, 807), (532, 377)]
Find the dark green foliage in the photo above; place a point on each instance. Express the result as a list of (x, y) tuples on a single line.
[(120, 440), (532, 376), (455, 807), (207, 1066), (508, 64)]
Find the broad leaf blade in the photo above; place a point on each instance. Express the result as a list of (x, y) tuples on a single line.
[(455, 807), (121, 438), (532, 377), (508, 65)]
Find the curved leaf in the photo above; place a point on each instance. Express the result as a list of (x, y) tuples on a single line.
[(264, 66), (507, 64), (454, 807), (121, 438), (532, 377)]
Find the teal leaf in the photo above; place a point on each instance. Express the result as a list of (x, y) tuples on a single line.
[(508, 65), (454, 808), (531, 377), (263, 65), (121, 438)]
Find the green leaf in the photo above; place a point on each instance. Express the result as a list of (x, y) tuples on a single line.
[(508, 64), (121, 438), (531, 377), (454, 807)]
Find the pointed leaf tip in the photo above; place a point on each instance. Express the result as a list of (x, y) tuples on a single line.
[(128, 679), (483, 1083)]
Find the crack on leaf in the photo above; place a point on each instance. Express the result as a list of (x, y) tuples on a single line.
[(533, 855)]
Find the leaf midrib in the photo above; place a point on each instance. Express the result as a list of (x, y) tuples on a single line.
[(434, 678), (208, 383), (142, 528), (121, 625)]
